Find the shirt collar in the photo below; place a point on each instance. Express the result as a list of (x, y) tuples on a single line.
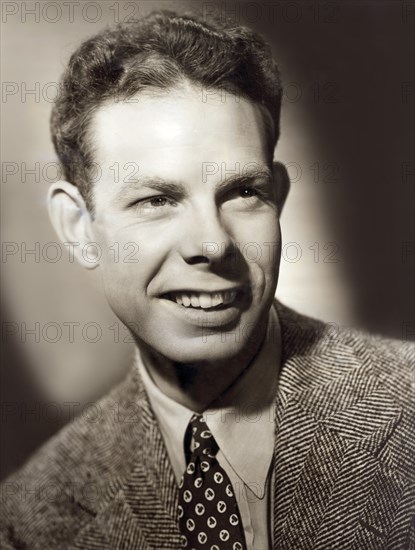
[(241, 420)]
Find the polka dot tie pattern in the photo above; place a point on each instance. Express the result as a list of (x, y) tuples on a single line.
[(208, 513)]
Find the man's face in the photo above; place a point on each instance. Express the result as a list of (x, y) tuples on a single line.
[(186, 218)]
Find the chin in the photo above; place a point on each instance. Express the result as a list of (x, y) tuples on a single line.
[(209, 349)]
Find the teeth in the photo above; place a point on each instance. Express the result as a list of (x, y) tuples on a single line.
[(217, 298), (194, 300), (185, 300), (204, 300)]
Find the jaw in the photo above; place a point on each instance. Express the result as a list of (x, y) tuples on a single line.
[(203, 337)]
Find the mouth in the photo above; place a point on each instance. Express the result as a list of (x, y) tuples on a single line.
[(210, 301)]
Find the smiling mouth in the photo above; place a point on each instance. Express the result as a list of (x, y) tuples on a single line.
[(203, 300)]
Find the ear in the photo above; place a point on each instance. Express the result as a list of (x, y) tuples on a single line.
[(72, 222), (282, 183)]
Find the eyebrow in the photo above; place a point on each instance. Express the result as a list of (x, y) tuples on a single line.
[(177, 189), (155, 183), (244, 179)]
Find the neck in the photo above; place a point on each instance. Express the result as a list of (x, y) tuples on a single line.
[(197, 385)]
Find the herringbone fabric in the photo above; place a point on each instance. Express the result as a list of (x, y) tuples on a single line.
[(343, 461)]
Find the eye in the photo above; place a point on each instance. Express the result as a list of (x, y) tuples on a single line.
[(247, 197), (152, 206), (248, 192), (157, 201)]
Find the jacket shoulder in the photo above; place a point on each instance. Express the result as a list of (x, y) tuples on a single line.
[(348, 369), (70, 477), (41, 491), (392, 361)]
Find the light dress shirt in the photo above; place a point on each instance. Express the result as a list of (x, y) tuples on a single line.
[(242, 421)]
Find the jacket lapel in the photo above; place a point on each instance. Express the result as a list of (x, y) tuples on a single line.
[(137, 505), (150, 493), (333, 417)]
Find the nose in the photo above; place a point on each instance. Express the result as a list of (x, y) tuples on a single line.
[(206, 238)]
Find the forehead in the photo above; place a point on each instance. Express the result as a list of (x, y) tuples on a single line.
[(179, 130)]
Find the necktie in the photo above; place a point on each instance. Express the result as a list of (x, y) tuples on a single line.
[(209, 517)]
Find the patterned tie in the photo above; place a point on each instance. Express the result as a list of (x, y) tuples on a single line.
[(209, 517)]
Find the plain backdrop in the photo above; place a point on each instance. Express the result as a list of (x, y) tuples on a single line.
[(348, 225)]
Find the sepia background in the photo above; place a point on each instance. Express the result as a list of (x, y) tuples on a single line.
[(348, 225)]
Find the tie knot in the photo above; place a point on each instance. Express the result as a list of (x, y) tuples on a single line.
[(200, 439)]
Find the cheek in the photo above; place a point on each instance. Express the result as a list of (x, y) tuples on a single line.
[(131, 257), (260, 239), (260, 226)]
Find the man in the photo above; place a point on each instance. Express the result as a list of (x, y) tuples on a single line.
[(241, 423)]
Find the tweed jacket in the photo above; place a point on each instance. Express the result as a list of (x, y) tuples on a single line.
[(343, 460)]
